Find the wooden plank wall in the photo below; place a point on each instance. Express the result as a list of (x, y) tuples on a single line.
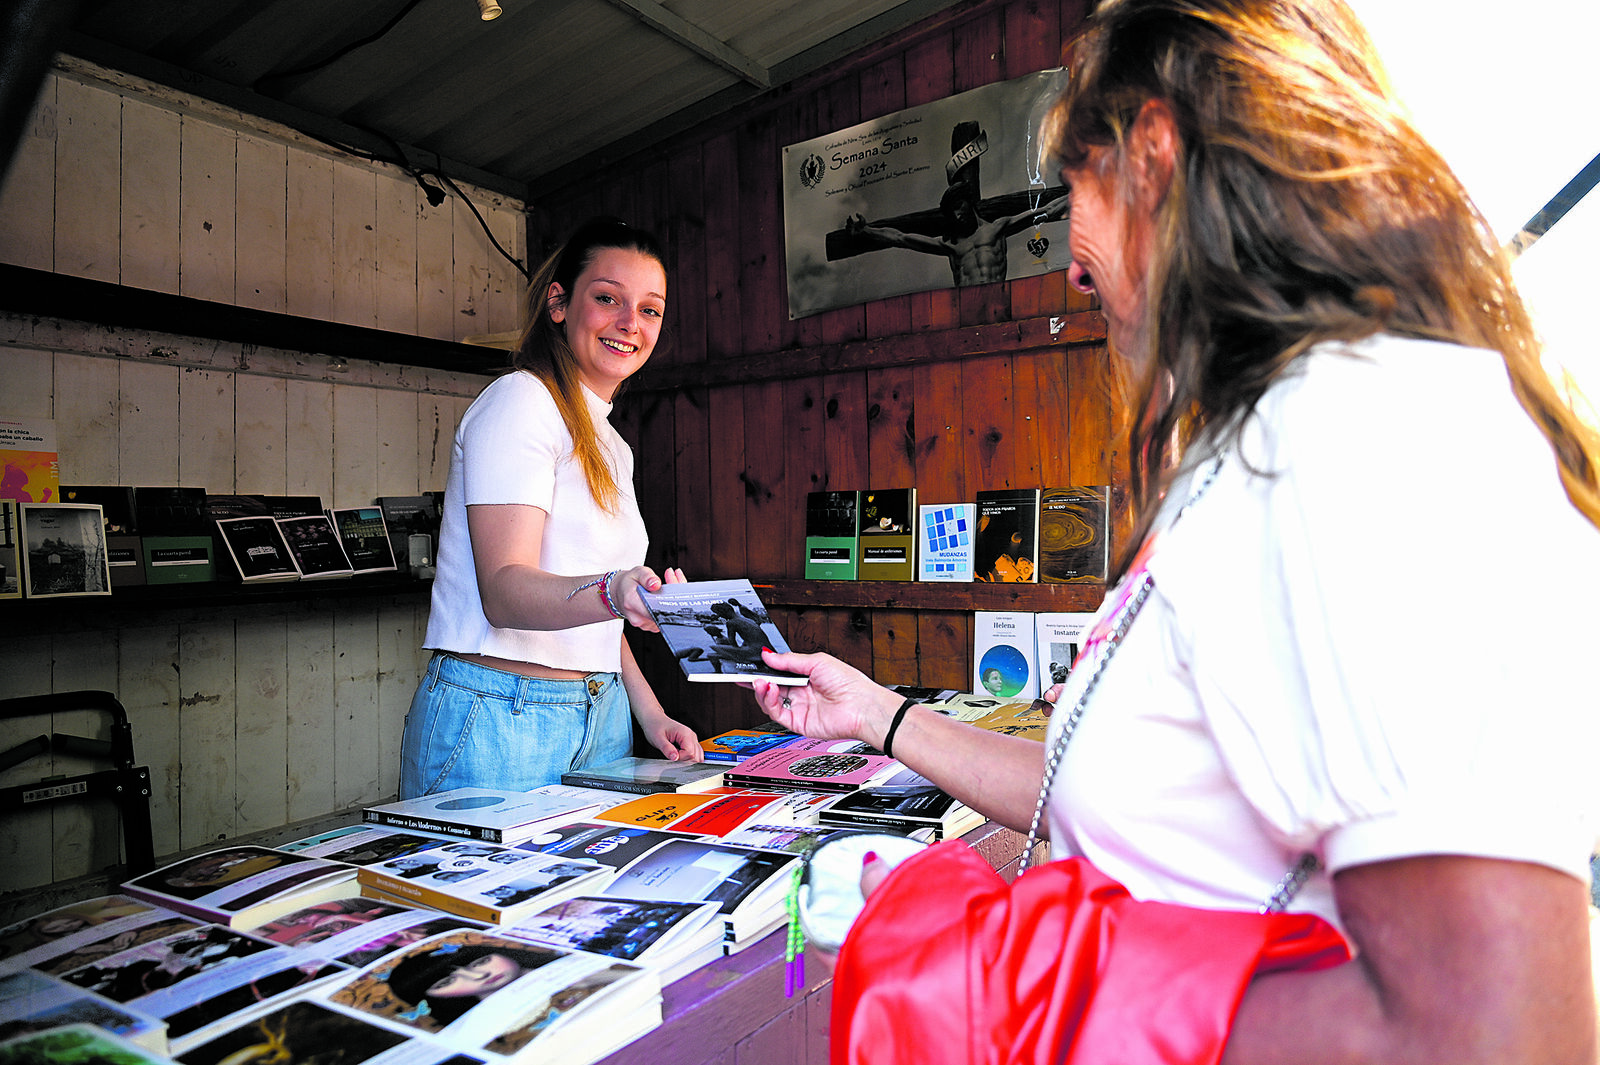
[(250, 719), (727, 453)]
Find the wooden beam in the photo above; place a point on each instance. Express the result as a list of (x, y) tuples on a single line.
[(698, 40)]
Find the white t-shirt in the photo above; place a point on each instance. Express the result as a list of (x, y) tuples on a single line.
[(1381, 644), (512, 447)]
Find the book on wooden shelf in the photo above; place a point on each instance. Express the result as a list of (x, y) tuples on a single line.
[(201, 977), (243, 886), (124, 549), (886, 535), (513, 1002), (831, 535), (77, 1044), (29, 460), (64, 550), (489, 814), (716, 630), (946, 541), (735, 745), (179, 547), (31, 1001), (673, 938), (749, 884), (10, 550), (901, 809), (257, 548), (365, 538), (1074, 534), (814, 765), (408, 516), (296, 506), (315, 547), (1007, 546), (645, 776), (1004, 651), (1058, 637), (486, 882)]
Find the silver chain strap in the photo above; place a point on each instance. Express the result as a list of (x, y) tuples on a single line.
[(1296, 877)]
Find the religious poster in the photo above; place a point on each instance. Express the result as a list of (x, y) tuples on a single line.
[(947, 194)]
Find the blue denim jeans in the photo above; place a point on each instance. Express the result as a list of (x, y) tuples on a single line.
[(473, 726)]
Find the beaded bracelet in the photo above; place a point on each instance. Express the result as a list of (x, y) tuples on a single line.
[(605, 595), (899, 716)]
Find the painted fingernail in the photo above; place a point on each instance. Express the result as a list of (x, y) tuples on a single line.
[(869, 857)]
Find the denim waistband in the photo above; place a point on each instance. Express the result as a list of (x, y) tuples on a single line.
[(486, 680)]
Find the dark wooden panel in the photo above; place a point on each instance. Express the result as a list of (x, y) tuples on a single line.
[(684, 230), (1043, 376), (802, 431), (723, 328), (946, 641), (656, 478), (891, 431), (692, 474), (883, 91), (761, 286), (766, 481), (846, 432), (725, 519), (894, 647), (941, 433), (987, 415)]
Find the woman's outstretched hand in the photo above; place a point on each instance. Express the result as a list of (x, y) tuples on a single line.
[(624, 593)]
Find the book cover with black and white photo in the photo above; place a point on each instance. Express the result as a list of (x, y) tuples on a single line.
[(258, 549), (716, 630), (315, 547)]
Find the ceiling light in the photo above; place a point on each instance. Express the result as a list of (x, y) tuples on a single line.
[(489, 8)]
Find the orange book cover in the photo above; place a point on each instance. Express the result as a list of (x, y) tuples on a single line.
[(660, 810), (29, 471)]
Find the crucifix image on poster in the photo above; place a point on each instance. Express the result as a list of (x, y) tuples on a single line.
[(942, 195), (966, 229)]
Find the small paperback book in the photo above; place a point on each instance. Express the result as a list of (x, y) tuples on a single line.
[(831, 536), (64, 550), (901, 809), (644, 776), (357, 931), (1003, 654), (1007, 548), (887, 536), (365, 538), (489, 814), (123, 548), (1074, 534), (77, 1044), (946, 538), (32, 1002), (10, 550), (1059, 636), (716, 630), (736, 745), (304, 1029), (361, 844), (315, 547), (814, 765), (514, 1002), (609, 844), (673, 938), (482, 881), (408, 517), (243, 886), (29, 460), (258, 549), (750, 884)]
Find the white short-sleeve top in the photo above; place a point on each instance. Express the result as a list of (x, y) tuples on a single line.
[(512, 447), (1375, 635)]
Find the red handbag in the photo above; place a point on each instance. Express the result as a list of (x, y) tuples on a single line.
[(947, 963)]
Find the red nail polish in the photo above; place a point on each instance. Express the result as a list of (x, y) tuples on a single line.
[(869, 857), (767, 649)]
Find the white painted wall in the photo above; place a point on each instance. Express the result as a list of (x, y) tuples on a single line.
[(249, 718)]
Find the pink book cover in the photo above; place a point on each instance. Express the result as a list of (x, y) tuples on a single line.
[(814, 765)]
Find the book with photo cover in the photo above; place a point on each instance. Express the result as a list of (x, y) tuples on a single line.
[(33, 1002), (1007, 546), (901, 808), (1058, 636), (716, 630), (365, 538), (77, 1044), (243, 886), (735, 745), (524, 1004), (360, 844), (814, 765), (751, 885), (176, 534), (644, 776), (831, 536), (489, 814), (610, 844), (408, 516), (887, 540), (75, 934), (257, 547), (64, 550), (1074, 534), (673, 938), (315, 547), (482, 881), (124, 550), (303, 1030)]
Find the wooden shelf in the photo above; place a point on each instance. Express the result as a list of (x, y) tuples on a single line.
[(915, 595), (51, 295), (132, 604)]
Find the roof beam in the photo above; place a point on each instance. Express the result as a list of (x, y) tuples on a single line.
[(697, 40)]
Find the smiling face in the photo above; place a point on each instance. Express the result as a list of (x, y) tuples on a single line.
[(1110, 249), (612, 316)]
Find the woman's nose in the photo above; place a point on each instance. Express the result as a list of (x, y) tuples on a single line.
[(1079, 278)]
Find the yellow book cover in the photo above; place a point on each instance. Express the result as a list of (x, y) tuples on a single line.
[(29, 472), (655, 811)]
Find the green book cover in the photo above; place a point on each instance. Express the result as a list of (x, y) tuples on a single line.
[(831, 535)]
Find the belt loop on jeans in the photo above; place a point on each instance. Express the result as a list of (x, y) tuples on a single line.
[(435, 665)]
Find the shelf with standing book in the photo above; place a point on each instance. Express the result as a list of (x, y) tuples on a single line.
[(920, 595)]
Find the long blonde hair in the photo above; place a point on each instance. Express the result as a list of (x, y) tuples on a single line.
[(1303, 207), (544, 352)]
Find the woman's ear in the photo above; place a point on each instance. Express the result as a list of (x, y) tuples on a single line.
[(1153, 148), (556, 302)]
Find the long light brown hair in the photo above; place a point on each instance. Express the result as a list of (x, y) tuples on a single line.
[(544, 352), (1303, 207)]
